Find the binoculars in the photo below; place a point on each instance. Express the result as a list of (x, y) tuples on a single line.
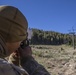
[(24, 43)]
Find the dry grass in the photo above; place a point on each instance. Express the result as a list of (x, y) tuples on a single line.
[(55, 59)]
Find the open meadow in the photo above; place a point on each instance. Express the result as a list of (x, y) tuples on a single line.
[(58, 60)]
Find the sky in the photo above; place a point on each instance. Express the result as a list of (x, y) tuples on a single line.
[(48, 15)]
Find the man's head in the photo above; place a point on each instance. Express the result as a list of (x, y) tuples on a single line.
[(13, 25)]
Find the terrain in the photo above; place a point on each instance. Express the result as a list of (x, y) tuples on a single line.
[(58, 60)]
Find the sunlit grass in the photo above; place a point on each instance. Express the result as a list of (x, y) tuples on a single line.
[(52, 56)]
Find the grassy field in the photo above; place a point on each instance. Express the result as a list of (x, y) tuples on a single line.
[(56, 59)]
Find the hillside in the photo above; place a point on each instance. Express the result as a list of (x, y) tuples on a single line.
[(58, 60)]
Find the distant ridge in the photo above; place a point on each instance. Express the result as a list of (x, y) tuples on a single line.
[(38, 36)]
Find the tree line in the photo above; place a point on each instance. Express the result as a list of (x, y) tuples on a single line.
[(49, 38)]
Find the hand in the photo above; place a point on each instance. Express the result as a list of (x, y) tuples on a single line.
[(26, 52), (20, 53), (14, 58)]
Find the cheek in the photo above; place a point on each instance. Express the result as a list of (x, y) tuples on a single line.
[(17, 45), (12, 47)]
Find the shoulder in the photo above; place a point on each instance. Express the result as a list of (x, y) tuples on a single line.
[(9, 69), (5, 68)]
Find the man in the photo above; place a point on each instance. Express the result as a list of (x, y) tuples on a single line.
[(13, 30)]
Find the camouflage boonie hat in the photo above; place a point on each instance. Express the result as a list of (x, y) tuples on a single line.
[(13, 24)]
